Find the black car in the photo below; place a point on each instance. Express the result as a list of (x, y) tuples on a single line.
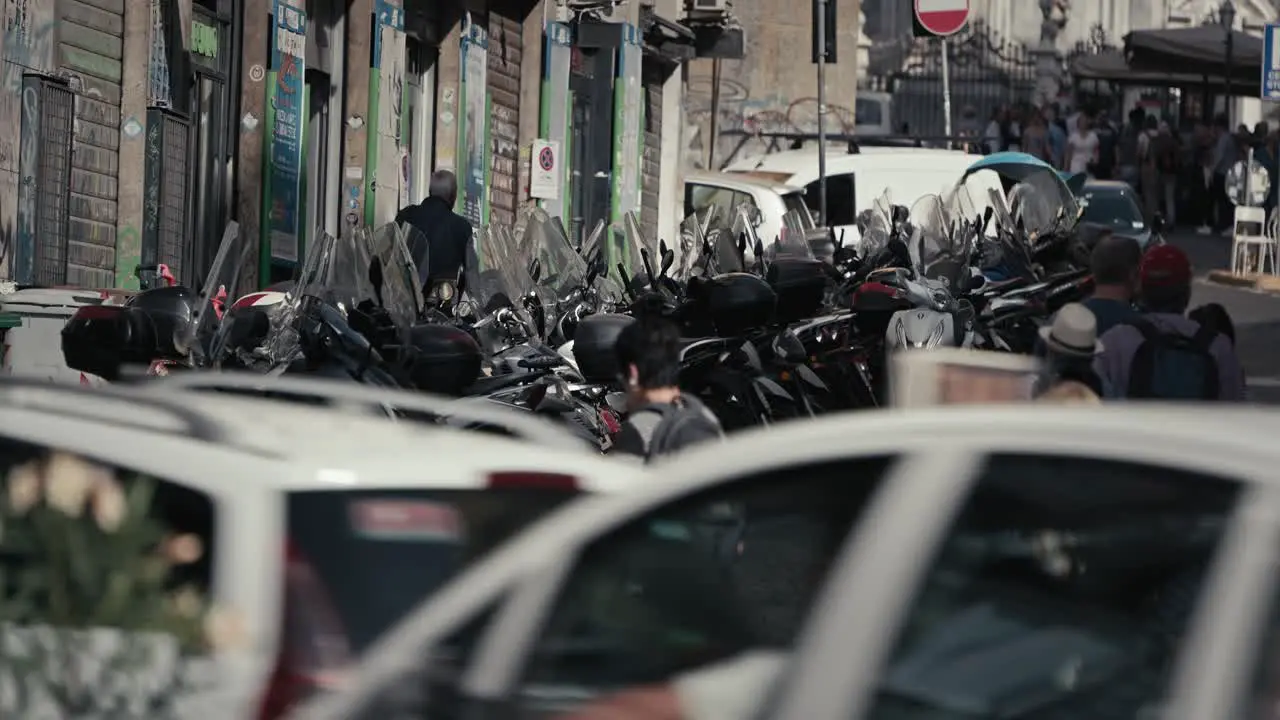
[(1115, 205)]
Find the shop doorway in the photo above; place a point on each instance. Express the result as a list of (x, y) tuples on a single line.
[(418, 122), (211, 135), (321, 205), (591, 139)]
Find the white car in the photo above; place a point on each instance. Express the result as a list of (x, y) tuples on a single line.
[(322, 524), (855, 180), (970, 562)]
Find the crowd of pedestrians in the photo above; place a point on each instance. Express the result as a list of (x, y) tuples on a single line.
[(1179, 171), (1134, 339)]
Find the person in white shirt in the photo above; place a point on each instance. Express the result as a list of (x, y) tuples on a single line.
[(1082, 146)]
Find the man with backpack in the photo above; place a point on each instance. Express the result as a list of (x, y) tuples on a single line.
[(1163, 355), (660, 419)]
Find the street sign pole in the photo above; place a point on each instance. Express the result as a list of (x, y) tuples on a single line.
[(946, 92), (942, 19), (822, 110)]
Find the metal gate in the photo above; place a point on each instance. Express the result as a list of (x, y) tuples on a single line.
[(45, 193), (986, 70), (652, 77), (164, 230)]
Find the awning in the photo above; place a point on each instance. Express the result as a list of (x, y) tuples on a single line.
[(1111, 66), (1198, 50)]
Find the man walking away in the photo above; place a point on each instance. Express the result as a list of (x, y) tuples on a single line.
[(1165, 355), (1127, 148), (1114, 262), (1107, 140), (446, 234), (660, 420), (1167, 151), (1224, 157), (1057, 136), (1149, 173)]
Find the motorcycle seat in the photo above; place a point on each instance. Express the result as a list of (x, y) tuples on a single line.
[(494, 383)]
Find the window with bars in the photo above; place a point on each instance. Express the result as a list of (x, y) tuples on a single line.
[(45, 193)]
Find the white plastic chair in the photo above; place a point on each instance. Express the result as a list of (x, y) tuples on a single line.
[(1251, 234)]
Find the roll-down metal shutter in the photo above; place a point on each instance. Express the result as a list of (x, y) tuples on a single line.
[(506, 46)]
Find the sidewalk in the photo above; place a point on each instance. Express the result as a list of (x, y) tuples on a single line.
[(1211, 257)]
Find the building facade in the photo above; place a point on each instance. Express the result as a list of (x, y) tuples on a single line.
[(143, 127)]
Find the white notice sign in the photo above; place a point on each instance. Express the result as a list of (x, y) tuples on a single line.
[(546, 175)]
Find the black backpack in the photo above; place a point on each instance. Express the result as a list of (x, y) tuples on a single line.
[(1173, 366)]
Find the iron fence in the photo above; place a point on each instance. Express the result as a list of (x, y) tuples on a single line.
[(986, 72), (52, 104)]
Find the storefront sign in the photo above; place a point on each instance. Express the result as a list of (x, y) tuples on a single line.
[(555, 109), (473, 134), (285, 118)]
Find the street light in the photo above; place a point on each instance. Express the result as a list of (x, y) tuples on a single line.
[(1227, 17)]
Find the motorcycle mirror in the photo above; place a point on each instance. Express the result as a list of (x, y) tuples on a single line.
[(535, 269), (668, 259), (838, 241), (375, 278), (986, 218), (626, 280), (662, 248), (899, 251), (759, 250), (648, 269)]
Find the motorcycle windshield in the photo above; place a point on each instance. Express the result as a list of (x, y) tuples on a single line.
[(723, 235), (692, 237), (401, 288), (282, 344), (936, 252), (220, 290), (489, 279), (1042, 204), (343, 277), (562, 269), (793, 243), (591, 243)]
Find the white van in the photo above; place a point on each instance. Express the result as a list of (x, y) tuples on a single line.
[(855, 180)]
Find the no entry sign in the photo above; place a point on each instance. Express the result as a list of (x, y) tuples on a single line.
[(942, 17)]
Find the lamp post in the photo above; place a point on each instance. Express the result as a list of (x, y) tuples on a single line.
[(1227, 17)]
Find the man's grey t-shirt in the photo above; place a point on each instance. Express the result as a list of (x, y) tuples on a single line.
[(639, 429), (1121, 343)]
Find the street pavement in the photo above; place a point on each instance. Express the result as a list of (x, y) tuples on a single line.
[(1256, 314)]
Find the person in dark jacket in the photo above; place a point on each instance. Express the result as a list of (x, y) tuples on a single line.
[(445, 239)]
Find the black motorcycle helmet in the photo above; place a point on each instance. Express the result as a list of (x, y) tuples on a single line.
[(159, 322)]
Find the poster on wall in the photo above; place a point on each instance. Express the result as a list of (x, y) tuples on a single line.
[(628, 139), (555, 108), (473, 135), (386, 95), (285, 118)]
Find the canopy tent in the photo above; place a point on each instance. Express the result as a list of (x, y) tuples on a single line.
[(1197, 51), (1111, 66)]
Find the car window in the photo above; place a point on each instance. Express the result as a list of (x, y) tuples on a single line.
[(794, 201), (406, 543), (868, 112), (724, 200), (841, 199), (699, 581), (86, 544), (1115, 209), (1062, 590)]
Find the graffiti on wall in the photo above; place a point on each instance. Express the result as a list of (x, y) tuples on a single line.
[(741, 111), (27, 47)]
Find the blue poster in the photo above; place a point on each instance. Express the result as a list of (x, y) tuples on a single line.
[(285, 117)]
